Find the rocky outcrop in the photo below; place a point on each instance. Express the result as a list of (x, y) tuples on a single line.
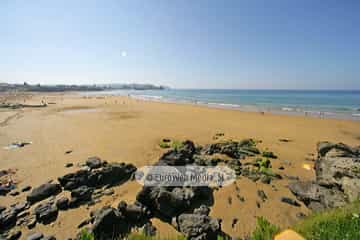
[(198, 225), (337, 181), (168, 202), (109, 222), (179, 157), (46, 212), (43, 191), (232, 149), (96, 176)]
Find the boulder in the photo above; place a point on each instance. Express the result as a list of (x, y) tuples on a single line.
[(8, 219), (169, 202), (233, 149), (62, 203), (94, 162), (46, 213), (198, 226), (109, 174), (108, 223), (134, 213), (317, 197), (80, 195), (180, 156), (43, 191), (338, 165), (337, 170)]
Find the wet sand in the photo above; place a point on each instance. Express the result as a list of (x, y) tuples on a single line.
[(121, 129)]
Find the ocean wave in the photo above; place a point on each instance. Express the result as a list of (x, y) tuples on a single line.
[(224, 105), (287, 109), (356, 114), (154, 97)]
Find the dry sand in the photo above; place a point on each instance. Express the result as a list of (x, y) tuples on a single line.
[(120, 129)]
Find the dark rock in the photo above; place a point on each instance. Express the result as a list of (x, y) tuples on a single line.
[(35, 236), (338, 165), (170, 202), (290, 201), (234, 221), (8, 219), (94, 162), (284, 140), (2, 208), (261, 194), (85, 222), (5, 189), (14, 235), (314, 195), (269, 154), (134, 213), (231, 148), (43, 191), (281, 168), (46, 213), (110, 174), (62, 203), (180, 156), (14, 193), (69, 165), (198, 227), (26, 188), (149, 230), (265, 179), (80, 195), (19, 207), (68, 151), (229, 200), (108, 222)]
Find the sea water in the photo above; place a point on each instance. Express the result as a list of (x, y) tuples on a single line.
[(321, 103)]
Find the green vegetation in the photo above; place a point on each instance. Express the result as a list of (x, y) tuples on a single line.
[(339, 223), (263, 163), (264, 230), (85, 235), (166, 143)]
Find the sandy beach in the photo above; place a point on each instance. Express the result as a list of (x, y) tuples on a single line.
[(122, 129)]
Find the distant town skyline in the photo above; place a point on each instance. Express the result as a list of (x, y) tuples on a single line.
[(182, 44)]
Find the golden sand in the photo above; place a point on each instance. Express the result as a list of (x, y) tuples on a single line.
[(120, 129)]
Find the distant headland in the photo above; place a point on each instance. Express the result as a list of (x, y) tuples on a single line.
[(4, 87)]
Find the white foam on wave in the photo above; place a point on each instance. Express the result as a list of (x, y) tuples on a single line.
[(288, 109), (147, 97), (229, 105)]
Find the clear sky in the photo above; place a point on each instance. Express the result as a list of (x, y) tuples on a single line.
[(306, 44)]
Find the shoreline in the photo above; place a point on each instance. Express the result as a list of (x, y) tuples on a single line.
[(243, 108)]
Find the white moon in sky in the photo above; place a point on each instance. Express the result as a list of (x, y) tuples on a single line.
[(123, 53)]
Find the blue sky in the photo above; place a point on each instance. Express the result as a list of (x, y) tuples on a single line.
[(185, 44)]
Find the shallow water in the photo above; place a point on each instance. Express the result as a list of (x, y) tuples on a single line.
[(322, 103)]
